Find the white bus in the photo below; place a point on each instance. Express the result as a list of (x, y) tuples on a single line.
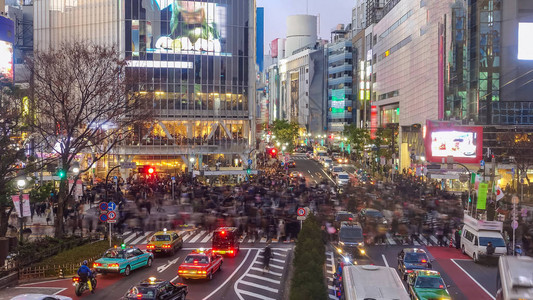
[(372, 282), (515, 279)]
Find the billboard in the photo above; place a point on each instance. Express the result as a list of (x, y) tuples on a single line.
[(176, 27), (7, 39), (525, 43), (463, 143)]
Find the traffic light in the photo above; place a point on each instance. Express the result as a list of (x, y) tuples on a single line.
[(62, 174)]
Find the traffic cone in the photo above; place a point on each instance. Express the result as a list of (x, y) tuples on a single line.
[(451, 243)]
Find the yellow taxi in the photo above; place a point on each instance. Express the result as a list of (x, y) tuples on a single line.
[(165, 242), (200, 264)]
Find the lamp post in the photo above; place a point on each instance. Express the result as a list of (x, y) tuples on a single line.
[(21, 183), (191, 160)]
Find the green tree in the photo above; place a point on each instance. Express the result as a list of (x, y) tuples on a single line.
[(358, 138), (12, 158), (285, 132)]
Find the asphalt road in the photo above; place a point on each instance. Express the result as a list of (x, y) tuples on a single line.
[(240, 277)]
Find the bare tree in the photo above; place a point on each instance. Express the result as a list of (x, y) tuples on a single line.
[(83, 104)]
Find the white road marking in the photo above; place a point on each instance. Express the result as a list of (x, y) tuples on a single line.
[(229, 278), (270, 272), (60, 291), (242, 276), (434, 239), (129, 238), (332, 261), (259, 286), (167, 265), (264, 278), (197, 236), (207, 238), (140, 238), (333, 297), (453, 260), (254, 295), (242, 238), (389, 239), (385, 260), (47, 281)]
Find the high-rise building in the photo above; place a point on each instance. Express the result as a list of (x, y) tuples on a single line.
[(339, 79), (198, 61)]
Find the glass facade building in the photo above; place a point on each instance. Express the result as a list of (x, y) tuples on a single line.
[(340, 95), (194, 60)]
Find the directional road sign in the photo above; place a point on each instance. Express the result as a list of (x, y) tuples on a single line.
[(111, 215), (103, 217), (111, 206), (249, 161), (514, 224), (103, 206)]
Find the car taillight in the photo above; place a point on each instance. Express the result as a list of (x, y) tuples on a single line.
[(97, 265), (113, 265), (75, 279), (181, 271), (441, 286), (150, 247), (409, 271), (231, 251), (139, 296), (424, 261), (166, 246)]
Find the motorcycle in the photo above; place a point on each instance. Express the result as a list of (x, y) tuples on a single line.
[(81, 286)]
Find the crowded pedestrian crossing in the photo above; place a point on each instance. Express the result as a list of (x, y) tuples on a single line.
[(196, 236)]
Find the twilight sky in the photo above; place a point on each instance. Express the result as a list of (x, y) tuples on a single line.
[(332, 12)]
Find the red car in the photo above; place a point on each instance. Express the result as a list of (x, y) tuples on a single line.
[(200, 264)]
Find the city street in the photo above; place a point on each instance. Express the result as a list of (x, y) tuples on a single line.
[(240, 277)]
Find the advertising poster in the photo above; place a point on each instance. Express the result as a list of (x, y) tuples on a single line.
[(6, 50), (482, 196), (26, 212)]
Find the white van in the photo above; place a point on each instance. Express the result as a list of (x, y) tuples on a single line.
[(343, 178), (372, 282), (514, 280), (477, 234)]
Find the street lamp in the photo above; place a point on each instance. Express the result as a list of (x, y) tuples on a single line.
[(21, 183)]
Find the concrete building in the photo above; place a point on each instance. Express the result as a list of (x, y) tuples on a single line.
[(203, 90), (340, 83), (301, 32)]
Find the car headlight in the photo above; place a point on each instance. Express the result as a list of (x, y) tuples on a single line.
[(362, 251), (326, 164), (341, 243), (361, 244)]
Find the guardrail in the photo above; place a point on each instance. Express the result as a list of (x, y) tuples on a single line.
[(60, 271)]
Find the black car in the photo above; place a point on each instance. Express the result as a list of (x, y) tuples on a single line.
[(291, 164), (153, 288), (351, 239), (410, 259)]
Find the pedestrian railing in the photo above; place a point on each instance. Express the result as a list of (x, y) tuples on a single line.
[(60, 271)]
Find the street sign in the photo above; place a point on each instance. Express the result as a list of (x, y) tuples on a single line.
[(301, 212), (128, 165), (300, 218), (173, 179), (103, 206), (514, 224), (249, 161), (482, 163), (286, 158), (111, 221), (111, 215), (282, 163), (111, 206), (115, 178), (103, 217)]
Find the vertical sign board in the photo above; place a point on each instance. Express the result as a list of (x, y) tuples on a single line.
[(482, 196), (373, 121), (26, 212)]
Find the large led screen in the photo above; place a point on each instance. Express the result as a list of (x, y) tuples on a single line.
[(6, 62), (6, 50), (463, 143), (525, 42), (177, 27)]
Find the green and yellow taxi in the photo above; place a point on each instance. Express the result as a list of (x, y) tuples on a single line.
[(165, 242), (427, 285)]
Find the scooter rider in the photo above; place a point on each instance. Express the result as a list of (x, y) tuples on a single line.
[(86, 275)]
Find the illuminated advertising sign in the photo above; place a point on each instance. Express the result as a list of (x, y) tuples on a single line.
[(338, 101), (373, 121), (525, 43), (463, 143), (6, 50), (176, 27)]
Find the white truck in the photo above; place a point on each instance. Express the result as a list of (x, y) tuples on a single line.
[(476, 236)]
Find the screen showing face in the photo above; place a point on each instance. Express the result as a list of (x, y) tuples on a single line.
[(178, 27), (453, 143)]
